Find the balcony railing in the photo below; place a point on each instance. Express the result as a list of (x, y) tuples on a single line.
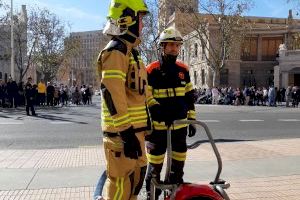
[(293, 52)]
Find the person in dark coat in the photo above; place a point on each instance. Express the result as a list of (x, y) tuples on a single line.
[(50, 94), (29, 95), (12, 91), (2, 93)]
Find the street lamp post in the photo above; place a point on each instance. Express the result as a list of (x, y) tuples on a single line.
[(12, 62)]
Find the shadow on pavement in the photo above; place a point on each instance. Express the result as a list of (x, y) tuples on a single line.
[(56, 118), (52, 114)]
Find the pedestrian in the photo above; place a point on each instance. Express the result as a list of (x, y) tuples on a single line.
[(272, 96), (12, 91), (238, 97), (124, 96), (64, 95), (2, 93), (56, 95), (76, 96), (41, 93), (215, 95), (246, 94), (50, 94), (170, 83), (288, 96), (265, 96), (21, 95), (29, 96), (295, 96)]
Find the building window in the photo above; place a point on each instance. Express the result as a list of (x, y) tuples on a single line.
[(203, 54), (5, 77), (249, 49), (202, 76), (224, 77), (270, 48), (249, 78), (0, 75), (182, 54), (196, 49), (195, 78)]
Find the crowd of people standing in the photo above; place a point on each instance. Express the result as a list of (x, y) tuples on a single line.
[(13, 94), (252, 96)]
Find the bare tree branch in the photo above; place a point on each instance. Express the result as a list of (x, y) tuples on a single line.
[(219, 28), (47, 35), (150, 33)]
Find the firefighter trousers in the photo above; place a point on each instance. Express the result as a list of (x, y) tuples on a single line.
[(125, 176), (156, 148)]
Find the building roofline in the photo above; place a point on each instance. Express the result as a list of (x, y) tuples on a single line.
[(92, 31)]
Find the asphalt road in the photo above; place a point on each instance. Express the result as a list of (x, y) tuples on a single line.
[(74, 126)]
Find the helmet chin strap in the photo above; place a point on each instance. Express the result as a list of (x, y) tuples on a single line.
[(130, 37), (132, 33)]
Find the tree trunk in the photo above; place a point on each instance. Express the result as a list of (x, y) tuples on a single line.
[(216, 78), (21, 75)]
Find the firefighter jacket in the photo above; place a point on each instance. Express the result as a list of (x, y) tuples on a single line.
[(171, 86), (124, 87)]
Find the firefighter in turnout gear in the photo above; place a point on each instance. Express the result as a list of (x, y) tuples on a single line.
[(125, 101), (170, 84)]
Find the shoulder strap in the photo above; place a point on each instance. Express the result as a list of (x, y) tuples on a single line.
[(135, 54)]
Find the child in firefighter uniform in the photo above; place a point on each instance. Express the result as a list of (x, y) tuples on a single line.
[(125, 101), (170, 84)]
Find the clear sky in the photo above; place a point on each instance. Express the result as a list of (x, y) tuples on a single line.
[(86, 15)]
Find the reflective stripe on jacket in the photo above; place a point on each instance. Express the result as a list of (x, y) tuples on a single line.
[(124, 87), (172, 88)]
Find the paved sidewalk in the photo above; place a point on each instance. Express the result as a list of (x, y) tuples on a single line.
[(261, 170)]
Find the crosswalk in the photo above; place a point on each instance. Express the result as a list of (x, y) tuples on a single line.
[(289, 120), (251, 120)]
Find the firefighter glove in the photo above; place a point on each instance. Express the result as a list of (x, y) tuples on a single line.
[(168, 116), (132, 147), (192, 130)]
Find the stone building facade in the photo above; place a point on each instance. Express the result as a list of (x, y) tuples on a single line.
[(83, 66), (255, 61), (287, 72), (20, 45)]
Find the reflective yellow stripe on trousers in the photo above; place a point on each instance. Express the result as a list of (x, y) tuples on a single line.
[(155, 159), (120, 188), (179, 156)]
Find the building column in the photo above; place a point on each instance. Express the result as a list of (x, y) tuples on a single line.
[(285, 79), (277, 76), (259, 48), (209, 77)]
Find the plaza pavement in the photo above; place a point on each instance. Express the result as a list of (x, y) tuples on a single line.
[(262, 170)]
